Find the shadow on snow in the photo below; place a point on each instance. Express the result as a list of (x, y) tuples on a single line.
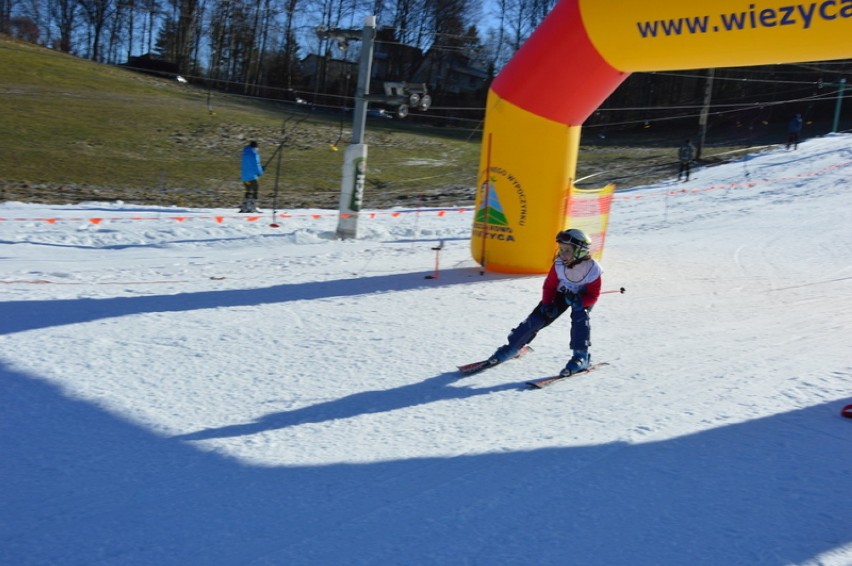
[(19, 316), (81, 485)]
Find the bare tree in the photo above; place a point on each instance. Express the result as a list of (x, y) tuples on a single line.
[(152, 9), (96, 14), (117, 34), (63, 14), (25, 28), (36, 22), (290, 45), (6, 8), (411, 22), (138, 19), (180, 33)]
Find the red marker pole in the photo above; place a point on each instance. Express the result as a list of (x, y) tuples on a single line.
[(437, 249)]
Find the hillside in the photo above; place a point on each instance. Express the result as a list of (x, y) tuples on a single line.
[(72, 130)]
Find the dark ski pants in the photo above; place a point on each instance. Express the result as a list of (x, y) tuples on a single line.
[(251, 189), (526, 331), (684, 169), (793, 139)]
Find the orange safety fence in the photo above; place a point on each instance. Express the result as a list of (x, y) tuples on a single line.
[(255, 218), (588, 209), (627, 195)]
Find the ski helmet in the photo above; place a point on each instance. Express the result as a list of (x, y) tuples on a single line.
[(578, 239)]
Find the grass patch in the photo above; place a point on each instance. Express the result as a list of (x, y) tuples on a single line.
[(72, 130)]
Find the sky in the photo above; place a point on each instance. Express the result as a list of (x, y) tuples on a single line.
[(195, 386)]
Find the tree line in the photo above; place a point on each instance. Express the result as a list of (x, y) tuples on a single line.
[(259, 48), (256, 42)]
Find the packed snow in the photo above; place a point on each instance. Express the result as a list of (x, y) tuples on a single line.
[(184, 386)]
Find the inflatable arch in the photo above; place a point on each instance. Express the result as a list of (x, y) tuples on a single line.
[(576, 58)]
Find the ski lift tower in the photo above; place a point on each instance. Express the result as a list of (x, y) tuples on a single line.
[(355, 154), (400, 94)]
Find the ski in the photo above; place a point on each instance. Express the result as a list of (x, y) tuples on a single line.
[(476, 367), (545, 381)]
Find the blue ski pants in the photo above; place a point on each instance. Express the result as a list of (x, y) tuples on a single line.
[(527, 330)]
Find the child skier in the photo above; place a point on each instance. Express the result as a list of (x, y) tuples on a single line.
[(574, 282)]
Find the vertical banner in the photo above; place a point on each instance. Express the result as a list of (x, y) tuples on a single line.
[(588, 210)]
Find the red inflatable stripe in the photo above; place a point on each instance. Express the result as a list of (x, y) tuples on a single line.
[(558, 73)]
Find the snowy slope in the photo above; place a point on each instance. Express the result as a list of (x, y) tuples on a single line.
[(196, 387)]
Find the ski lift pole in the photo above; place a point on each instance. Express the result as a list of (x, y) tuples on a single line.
[(279, 152), (355, 156), (274, 224), (841, 87)]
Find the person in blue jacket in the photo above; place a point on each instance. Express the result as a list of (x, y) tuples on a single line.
[(251, 170), (794, 128)]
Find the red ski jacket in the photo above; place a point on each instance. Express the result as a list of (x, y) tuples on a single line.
[(583, 279)]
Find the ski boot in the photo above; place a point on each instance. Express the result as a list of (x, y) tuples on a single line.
[(580, 361), (502, 354)]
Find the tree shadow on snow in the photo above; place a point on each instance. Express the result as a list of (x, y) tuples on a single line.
[(82, 485), (19, 316)]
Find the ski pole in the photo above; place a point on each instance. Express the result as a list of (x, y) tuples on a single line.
[(621, 290)]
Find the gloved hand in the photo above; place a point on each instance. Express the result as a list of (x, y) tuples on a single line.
[(573, 300), (549, 311)]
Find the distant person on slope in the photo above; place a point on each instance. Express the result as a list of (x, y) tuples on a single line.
[(251, 169), (574, 281), (685, 155), (794, 128)]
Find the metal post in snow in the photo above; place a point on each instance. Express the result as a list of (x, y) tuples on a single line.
[(841, 87), (355, 155), (705, 110)]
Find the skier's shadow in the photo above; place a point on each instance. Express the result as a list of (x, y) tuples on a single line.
[(439, 388)]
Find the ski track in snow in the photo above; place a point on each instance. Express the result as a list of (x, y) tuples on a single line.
[(221, 392)]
